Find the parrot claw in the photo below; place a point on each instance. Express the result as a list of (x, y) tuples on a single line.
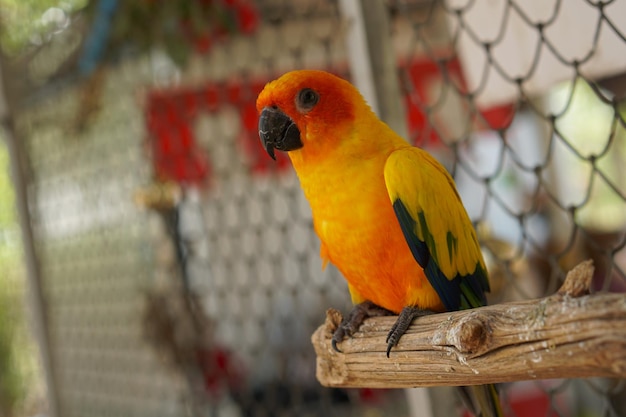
[(357, 316), (336, 339), (406, 317)]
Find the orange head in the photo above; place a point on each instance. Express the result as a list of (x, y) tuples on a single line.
[(307, 109)]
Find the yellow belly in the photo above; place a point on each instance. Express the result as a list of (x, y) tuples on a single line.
[(362, 238)]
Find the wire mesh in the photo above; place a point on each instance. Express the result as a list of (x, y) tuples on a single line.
[(20, 388), (94, 251), (179, 263), (530, 118)]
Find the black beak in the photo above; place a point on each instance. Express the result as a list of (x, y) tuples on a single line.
[(278, 131)]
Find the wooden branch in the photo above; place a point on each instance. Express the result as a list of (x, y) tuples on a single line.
[(567, 335)]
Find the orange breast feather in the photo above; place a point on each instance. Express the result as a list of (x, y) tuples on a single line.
[(360, 234)]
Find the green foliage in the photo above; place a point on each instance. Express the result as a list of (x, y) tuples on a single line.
[(176, 26), (7, 199), (10, 381), (17, 358), (22, 23)]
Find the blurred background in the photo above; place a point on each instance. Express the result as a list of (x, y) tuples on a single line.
[(154, 261)]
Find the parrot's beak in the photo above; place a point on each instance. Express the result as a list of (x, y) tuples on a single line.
[(278, 131)]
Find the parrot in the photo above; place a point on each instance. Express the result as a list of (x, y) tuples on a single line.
[(388, 214)]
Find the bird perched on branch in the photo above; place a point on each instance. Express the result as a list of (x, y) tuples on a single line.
[(388, 214)]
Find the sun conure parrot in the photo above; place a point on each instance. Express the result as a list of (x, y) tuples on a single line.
[(388, 214)]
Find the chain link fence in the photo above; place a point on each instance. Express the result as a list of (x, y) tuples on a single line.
[(178, 262), (524, 103)]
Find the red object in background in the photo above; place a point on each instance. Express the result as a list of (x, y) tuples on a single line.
[(246, 14), (427, 79), (175, 155), (169, 120), (529, 400), (170, 116), (233, 16), (220, 371)]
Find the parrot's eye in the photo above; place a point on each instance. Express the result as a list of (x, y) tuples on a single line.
[(306, 100)]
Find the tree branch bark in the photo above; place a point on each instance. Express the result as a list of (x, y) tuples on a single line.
[(567, 335)]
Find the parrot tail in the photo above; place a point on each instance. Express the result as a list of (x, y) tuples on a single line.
[(482, 400)]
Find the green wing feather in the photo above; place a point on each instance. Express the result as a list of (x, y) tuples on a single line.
[(442, 240), (437, 227)]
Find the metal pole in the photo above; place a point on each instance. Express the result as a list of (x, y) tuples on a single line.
[(36, 298), (372, 60), (358, 51)]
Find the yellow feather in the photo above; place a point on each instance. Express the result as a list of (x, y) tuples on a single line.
[(424, 186)]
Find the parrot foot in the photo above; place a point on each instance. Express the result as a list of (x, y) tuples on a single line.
[(407, 315), (357, 316)]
